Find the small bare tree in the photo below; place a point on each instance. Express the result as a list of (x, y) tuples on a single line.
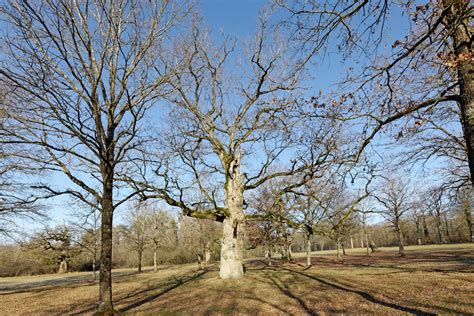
[(87, 225), (138, 231), (394, 197), (162, 233), (436, 204)]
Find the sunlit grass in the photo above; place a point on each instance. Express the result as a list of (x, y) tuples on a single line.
[(430, 279)]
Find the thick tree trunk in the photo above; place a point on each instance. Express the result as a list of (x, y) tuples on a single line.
[(440, 229), (468, 218), (459, 25), (352, 243), (140, 254), (155, 265), (426, 232), (446, 222), (268, 255), (401, 247), (207, 252), (337, 250), (308, 250), (63, 268), (105, 276), (231, 266)]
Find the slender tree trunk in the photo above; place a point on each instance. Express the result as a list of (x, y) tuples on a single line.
[(308, 250), (94, 268), (367, 243), (337, 250), (352, 243), (231, 266), (155, 265), (439, 226), (343, 248), (105, 276), (447, 239)]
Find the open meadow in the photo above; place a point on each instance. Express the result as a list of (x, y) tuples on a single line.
[(429, 280)]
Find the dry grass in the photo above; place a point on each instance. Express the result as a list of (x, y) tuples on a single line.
[(438, 280)]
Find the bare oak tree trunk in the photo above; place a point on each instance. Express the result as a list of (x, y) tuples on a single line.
[(155, 266), (366, 243), (140, 255), (308, 250), (94, 268), (401, 247), (63, 268), (105, 277), (231, 266), (268, 255), (207, 252), (439, 227), (463, 50)]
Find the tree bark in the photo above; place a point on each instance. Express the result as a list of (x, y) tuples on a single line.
[(446, 222), (308, 250), (440, 228), (207, 252), (231, 266), (468, 217), (401, 247), (461, 32), (94, 268), (155, 265), (268, 255), (105, 276), (63, 268), (140, 253), (367, 243)]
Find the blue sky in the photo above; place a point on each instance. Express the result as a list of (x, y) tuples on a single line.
[(237, 18)]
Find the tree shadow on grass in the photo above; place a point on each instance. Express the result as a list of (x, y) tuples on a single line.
[(363, 294), (284, 288), (177, 282), (140, 297)]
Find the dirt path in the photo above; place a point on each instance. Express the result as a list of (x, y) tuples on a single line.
[(31, 283)]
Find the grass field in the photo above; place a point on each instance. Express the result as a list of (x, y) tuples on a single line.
[(429, 280)]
